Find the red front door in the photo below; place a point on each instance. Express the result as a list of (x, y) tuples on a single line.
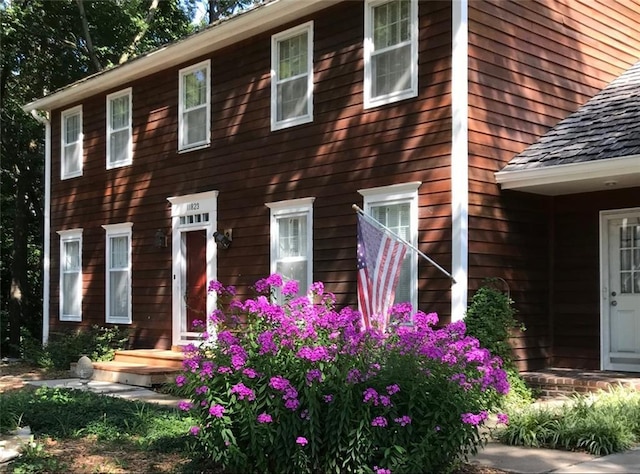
[(196, 291)]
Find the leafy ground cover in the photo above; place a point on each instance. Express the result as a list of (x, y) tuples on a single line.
[(69, 449)]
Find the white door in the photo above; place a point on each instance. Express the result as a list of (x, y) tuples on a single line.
[(621, 290)]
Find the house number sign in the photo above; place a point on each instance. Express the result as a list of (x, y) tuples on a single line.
[(193, 206)]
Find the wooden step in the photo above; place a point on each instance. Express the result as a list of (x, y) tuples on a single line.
[(151, 357), (129, 373)]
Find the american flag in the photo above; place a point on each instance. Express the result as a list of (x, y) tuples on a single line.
[(379, 260)]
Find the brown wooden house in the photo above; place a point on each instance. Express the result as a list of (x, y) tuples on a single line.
[(237, 152)]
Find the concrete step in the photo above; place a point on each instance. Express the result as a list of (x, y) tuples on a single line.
[(151, 357), (129, 373)]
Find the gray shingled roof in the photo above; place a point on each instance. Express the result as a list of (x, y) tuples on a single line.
[(607, 126)]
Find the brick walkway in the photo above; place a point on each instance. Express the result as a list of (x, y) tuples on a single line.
[(561, 382)]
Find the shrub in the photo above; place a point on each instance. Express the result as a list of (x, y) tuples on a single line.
[(63, 348), (301, 388)]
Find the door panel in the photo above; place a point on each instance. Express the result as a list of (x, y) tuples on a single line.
[(622, 303), (196, 277)]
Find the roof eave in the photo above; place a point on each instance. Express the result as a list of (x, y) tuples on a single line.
[(572, 178), (235, 29)]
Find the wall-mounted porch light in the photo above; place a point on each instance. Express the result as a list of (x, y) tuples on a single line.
[(160, 239), (223, 239)]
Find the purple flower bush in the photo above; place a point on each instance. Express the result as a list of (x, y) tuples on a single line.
[(301, 387)]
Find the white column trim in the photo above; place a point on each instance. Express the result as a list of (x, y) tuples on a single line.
[(459, 159)]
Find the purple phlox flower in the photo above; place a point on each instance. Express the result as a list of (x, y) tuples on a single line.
[(202, 389), (250, 373), (265, 284), (474, 419), (317, 288), (267, 345), (385, 401), (204, 403), (503, 418), (380, 421), (292, 404), (216, 410), (393, 389), (215, 286), (197, 323), (279, 383), (194, 430), (217, 316), (205, 336), (181, 380), (264, 418), (185, 405), (304, 414), (243, 392), (461, 379), (403, 420), (328, 398), (189, 348), (238, 356), (227, 338), (354, 376), (224, 370), (302, 441), (314, 354), (206, 370), (381, 470), (314, 374), (290, 288), (370, 395), (437, 428)]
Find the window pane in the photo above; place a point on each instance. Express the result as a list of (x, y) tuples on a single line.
[(397, 218), (293, 56), (391, 71), (72, 158), (292, 98), (72, 128), (195, 123), (119, 252), (71, 294), (120, 112), (294, 271), (391, 24), (195, 88), (119, 146), (119, 294), (292, 233), (71, 256)]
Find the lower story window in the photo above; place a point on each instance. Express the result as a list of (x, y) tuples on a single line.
[(70, 275), (118, 273), (292, 241)]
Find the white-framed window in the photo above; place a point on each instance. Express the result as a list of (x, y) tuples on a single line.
[(396, 207), (119, 130), (292, 77), (118, 273), (292, 241), (70, 275), (71, 146), (390, 51), (194, 113)]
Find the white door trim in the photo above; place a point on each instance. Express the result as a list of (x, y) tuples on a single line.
[(186, 206), (605, 300)]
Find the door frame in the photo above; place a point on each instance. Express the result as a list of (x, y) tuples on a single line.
[(184, 207), (605, 323)]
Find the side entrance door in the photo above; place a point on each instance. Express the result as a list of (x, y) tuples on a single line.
[(621, 290), (195, 284)]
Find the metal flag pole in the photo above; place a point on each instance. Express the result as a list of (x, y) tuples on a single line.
[(396, 236)]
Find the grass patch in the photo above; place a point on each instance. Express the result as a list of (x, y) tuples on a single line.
[(600, 423)]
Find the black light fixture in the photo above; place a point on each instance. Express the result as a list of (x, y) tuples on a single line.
[(223, 239), (160, 239)]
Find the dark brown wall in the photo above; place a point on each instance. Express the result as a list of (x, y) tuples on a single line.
[(531, 64), (343, 150), (576, 299)]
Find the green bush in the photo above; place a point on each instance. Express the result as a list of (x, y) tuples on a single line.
[(63, 348), (602, 423), (304, 389)]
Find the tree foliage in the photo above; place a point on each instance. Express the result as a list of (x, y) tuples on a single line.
[(45, 46)]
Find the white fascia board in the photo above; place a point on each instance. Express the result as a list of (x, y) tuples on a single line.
[(238, 28), (551, 179)]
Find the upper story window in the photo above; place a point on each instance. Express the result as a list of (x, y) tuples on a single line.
[(70, 275), (194, 121), (396, 207), (71, 147), (292, 77), (292, 241), (390, 51), (119, 134), (118, 269)]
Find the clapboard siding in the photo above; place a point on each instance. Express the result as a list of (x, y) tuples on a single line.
[(530, 65), (344, 149)]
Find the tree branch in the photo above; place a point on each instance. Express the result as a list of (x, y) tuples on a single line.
[(87, 36), (147, 21)]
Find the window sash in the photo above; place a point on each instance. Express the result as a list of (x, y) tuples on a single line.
[(119, 132), (194, 106), (71, 144), (70, 304), (118, 273)]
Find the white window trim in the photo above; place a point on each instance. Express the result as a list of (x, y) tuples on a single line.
[(63, 136), (370, 101), (129, 158), (275, 40), (397, 194), (207, 141), (70, 235), (115, 230), (292, 207)]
